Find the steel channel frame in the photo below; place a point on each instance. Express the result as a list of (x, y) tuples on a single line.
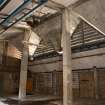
[(41, 2)]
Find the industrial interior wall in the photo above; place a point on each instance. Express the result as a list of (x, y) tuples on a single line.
[(11, 83), (51, 83), (2, 50), (101, 83), (87, 83), (9, 55), (81, 60), (13, 55), (48, 83), (83, 73), (9, 71)]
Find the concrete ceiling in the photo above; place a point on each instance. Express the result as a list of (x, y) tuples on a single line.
[(65, 2), (96, 18), (93, 12)]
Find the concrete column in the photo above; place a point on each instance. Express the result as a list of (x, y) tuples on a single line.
[(24, 69), (96, 82), (67, 70)]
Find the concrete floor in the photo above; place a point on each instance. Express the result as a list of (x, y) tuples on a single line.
[(83, 102), (89, 102), (29, 100), (53, 102), (37, 98)]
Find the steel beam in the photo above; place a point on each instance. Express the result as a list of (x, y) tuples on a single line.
[(16, 11), (4, 4)]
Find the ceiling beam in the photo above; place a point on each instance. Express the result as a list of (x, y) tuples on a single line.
[(92, 12), (78, 3), (54, 5), (59, 7)]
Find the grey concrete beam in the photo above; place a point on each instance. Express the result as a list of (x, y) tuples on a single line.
[(78, 3), (54, 5)]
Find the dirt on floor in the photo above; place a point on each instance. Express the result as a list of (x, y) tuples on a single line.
[(76, 102), (89, 102)]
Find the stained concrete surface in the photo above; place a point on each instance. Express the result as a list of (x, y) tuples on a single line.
[(29, 100), (15, 102), (87, 101), (82, 101), (76, 102), (36, 98)]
